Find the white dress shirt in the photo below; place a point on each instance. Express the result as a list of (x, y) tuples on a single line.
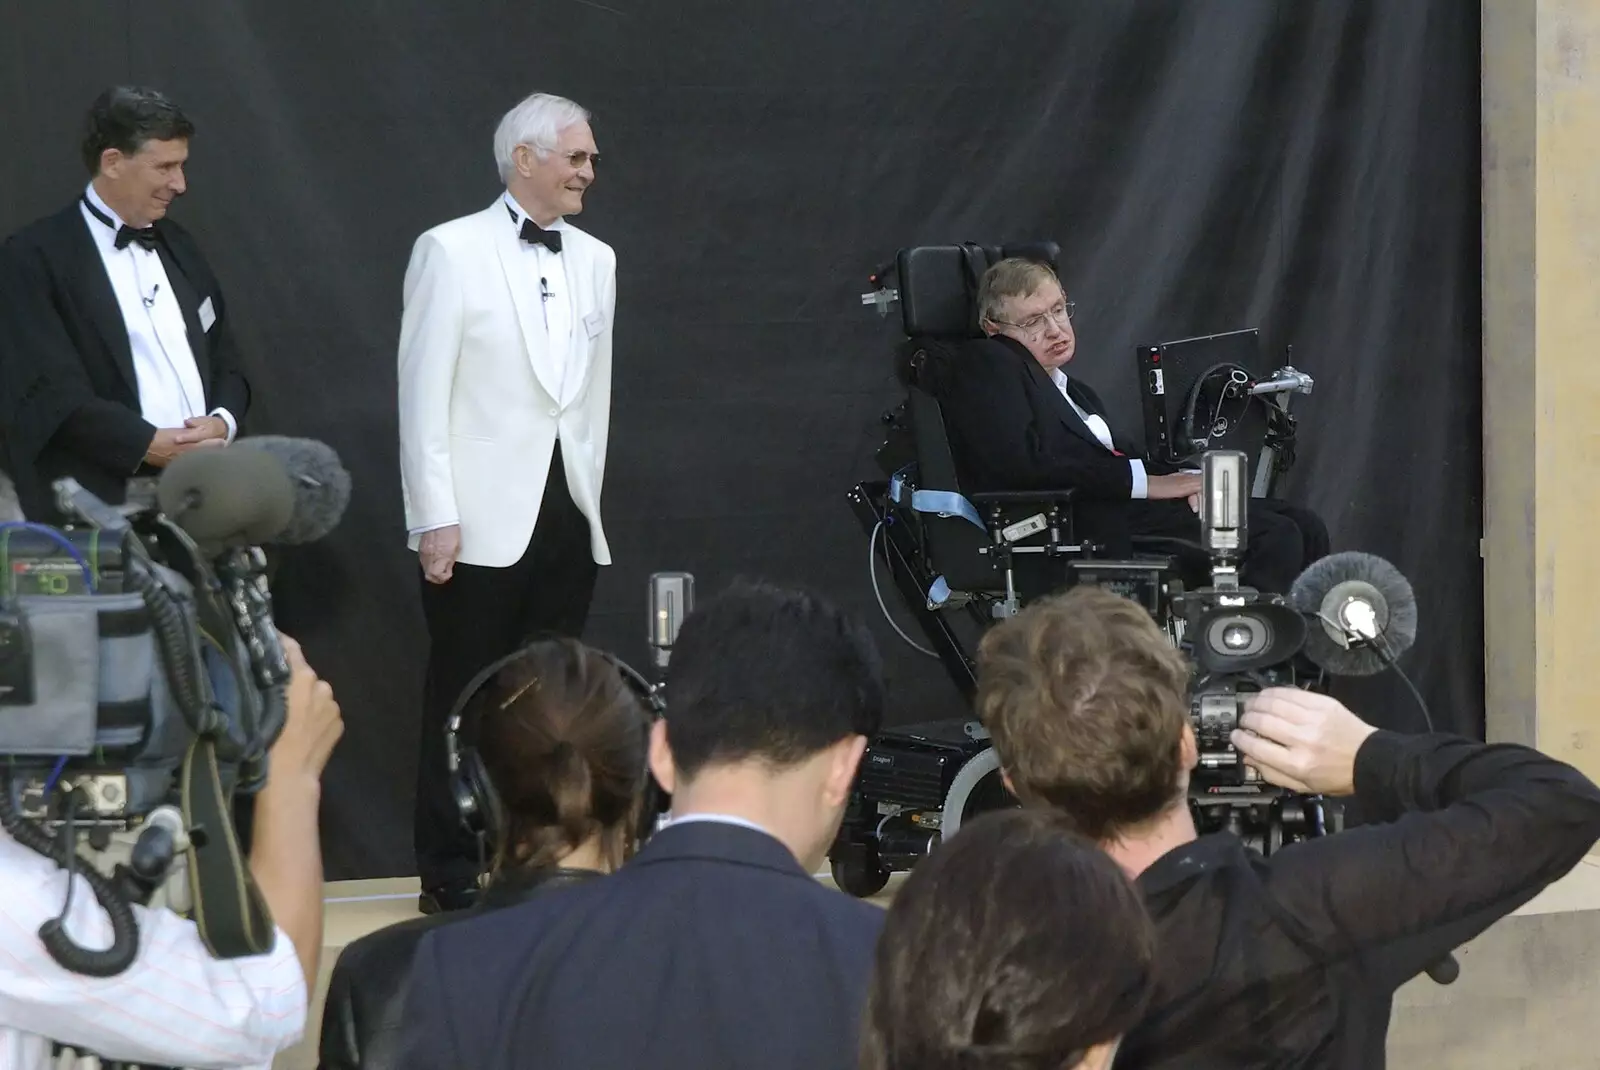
[(544, 273), (170, 390), (1101, 430), (175, 1006)]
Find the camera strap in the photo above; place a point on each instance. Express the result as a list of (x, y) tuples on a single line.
[(233, 919)]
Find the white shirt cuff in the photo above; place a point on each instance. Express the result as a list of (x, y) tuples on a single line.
[(433, 527), (227, 418), (1141, 483)]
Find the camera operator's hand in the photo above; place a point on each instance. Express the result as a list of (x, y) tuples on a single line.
[(1177, 485), (313, 725), (286, 857), (1301, 741), (437, 552)]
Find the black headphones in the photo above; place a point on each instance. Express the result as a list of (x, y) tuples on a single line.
[(477, 802)]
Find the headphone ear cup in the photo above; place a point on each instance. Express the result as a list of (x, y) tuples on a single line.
[(491, 814), (465, 788)]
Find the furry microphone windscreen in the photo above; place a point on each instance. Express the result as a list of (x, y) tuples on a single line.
[(225, 497), (1331, 587), (320, 481)]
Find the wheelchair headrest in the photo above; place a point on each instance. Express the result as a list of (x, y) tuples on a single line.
[(939, 284)]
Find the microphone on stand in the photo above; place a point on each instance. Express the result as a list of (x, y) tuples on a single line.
[(671, 600)]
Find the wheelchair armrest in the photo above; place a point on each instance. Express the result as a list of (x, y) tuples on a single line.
[(1022, 497)]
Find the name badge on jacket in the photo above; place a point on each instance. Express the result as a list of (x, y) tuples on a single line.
[(208, 315), (594, 322)]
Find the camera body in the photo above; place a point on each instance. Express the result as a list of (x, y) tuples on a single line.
[(1240, 641), (142, 685), (117, 650)]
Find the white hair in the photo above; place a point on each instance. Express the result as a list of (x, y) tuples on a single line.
[(536, 122)]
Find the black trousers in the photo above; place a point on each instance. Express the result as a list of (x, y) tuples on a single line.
[(479, 616)]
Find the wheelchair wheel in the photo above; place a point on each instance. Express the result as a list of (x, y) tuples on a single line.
[(859, 873), (977, 788)]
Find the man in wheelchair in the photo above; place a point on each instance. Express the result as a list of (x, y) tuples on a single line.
[(1017, 422), (1006, 486)]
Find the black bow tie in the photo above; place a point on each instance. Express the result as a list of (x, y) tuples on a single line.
[(534, 234), (126, 235), (145, 236)]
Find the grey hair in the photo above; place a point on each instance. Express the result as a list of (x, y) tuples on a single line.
[(536, 122), (1009, 278)]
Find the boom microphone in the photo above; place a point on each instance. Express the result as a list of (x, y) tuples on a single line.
[(319, 481), (227, 497), (1367, 612)]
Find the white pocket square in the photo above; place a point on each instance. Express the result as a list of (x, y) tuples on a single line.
[(594, 323), (208, 315)]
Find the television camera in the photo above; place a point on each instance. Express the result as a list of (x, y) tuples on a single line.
[(962, 560), (143, 683)]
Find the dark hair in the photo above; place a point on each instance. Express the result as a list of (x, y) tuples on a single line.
[(763, 672), (1086, 699), (563, 739), (1016, 944), (124, 117)]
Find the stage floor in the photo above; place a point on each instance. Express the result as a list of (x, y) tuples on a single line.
[(1526, 999)]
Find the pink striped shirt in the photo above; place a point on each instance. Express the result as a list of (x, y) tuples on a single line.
[(175, 1006)]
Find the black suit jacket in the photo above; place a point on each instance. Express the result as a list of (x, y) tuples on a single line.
[(363, 1017), (69, 399), (1010, 428), (711, 948)]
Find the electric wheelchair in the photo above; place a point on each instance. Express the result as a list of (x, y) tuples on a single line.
[(961, 560)]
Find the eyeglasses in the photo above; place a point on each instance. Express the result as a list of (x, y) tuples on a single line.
[(579, 158), (1034, 326)]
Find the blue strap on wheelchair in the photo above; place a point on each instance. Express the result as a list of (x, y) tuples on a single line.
[(940, 502)]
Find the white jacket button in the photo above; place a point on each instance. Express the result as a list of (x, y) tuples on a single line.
[(554, 412)]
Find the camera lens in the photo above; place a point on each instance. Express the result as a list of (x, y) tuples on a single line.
[(1236, 637)]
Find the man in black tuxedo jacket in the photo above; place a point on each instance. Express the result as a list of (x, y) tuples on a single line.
[(714, 946), (1017, 422), (115, 351)]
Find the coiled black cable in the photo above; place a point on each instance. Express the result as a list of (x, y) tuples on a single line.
[(178, 643), (53, 934)]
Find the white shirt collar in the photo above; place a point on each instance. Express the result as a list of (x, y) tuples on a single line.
[(511, 203), (92, 195), (104, 236), (721, 819)]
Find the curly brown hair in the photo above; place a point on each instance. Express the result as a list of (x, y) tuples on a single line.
[(1086, 700)]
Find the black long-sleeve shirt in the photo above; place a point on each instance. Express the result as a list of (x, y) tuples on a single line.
[(1292, 961)]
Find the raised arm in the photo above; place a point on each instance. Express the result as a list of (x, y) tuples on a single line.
[(1469, 831)]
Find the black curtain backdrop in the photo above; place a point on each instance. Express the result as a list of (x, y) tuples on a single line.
[(1309, 169)]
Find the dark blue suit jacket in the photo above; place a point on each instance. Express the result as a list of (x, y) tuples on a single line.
[(712, 948)]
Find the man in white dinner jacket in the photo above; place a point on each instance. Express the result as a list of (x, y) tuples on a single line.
[(505, 404)]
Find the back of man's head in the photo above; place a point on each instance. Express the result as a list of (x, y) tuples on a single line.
[(771, 675), (1087, 704)]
